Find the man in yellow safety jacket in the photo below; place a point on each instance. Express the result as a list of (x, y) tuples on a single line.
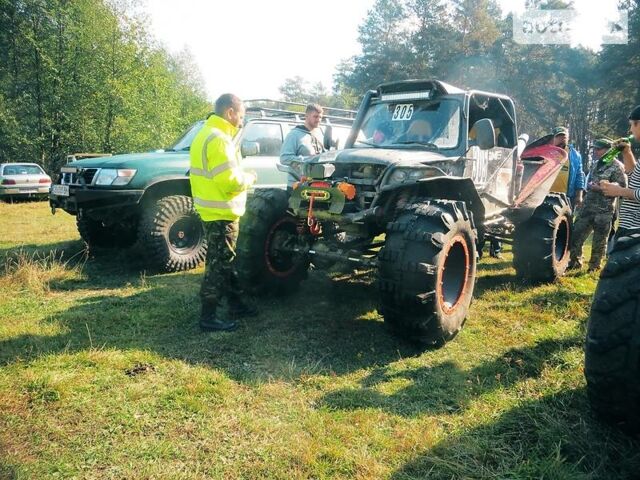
[(219, 190)]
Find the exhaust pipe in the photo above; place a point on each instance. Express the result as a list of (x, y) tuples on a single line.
[(522, 142)]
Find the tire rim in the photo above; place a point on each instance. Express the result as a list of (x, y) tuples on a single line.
[(561, 240), (454, 274), (184, 235), (281, 263)]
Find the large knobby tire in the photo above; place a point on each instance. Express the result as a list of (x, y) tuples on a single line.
[(541, 244), (96, 234), (263, 265), (427, 271), (612, 348), (171, 234)]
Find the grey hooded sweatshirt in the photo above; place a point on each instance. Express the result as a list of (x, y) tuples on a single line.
[(300, 143)]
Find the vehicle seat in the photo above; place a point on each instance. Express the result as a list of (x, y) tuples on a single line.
[(419, 131)]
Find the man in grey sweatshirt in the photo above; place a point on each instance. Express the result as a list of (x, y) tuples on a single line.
[(303, 140)]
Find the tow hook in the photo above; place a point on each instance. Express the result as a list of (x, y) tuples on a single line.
[(315, 228)]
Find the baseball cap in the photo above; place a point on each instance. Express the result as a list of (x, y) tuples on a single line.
[(603, 143), (560, 131)]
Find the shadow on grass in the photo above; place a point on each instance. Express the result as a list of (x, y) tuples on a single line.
[(100, 267), (547, 438), (493, 266), (328, 327), (445, 388), (503, 280), (59, 250), (7, 472), (561, 297), (25, 199)]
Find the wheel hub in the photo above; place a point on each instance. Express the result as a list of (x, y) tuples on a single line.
[(184, 235), (279, 253), (561, 243), (453, 274)]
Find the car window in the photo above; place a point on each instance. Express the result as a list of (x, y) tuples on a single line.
[(186, 138), (268, 136), (341, 133), (429, 122), (22, 170), (496, 110)]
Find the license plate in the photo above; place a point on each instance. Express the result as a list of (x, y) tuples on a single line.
[(60, 190)]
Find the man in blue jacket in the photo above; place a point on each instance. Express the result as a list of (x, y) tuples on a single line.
[(576, 182)]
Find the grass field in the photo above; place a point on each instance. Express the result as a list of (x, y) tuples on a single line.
[(104, 374)]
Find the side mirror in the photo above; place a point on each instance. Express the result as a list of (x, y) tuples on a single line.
[(250, 149), (327, 140), (485, 134)]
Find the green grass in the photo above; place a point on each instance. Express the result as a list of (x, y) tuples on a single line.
[(104, 374)]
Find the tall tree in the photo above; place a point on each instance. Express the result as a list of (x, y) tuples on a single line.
[(85, 75)]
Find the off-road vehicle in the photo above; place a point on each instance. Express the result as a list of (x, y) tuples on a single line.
[(438, 171), (146, 197)]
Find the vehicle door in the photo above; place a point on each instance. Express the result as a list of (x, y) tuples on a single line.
[(492, 170)]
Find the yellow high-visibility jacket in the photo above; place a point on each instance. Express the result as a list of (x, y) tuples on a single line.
[(218, 183)]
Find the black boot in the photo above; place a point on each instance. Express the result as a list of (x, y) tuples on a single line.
[(242, 307), (243, 310), (211, 322)]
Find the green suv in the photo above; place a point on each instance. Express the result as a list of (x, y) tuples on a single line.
[(145, 198)]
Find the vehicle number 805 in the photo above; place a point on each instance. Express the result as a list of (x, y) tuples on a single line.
[(403, 111)]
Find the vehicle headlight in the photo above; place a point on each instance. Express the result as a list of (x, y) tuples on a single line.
[(111, 176), (398, 176), (410, 175)]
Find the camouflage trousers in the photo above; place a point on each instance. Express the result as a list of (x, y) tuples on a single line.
[(600, 224), (220, 289)]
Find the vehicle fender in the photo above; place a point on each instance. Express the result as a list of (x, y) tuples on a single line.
[(166, 185), (446, 188)]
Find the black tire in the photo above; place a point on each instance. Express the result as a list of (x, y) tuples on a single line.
[(96, 234), (541, 244), (427, 271), (171, 234), (612, 348), (262, 267)]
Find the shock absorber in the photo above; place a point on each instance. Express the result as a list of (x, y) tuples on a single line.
[(302, 226), (402, 200)]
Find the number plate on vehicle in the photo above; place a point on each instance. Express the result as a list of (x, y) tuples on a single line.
[(403, 111), (60, 190)]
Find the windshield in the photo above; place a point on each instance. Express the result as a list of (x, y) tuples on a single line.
[(434, 124), (185, 140), (22, 170)]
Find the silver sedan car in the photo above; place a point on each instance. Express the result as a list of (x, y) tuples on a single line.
[(22, 180)]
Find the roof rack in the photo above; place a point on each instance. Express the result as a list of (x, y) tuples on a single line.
[(266, 107), (79, 156)]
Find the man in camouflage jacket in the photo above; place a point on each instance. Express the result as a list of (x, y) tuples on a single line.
[(597, 210)]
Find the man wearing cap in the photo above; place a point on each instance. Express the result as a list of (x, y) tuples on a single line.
[(597, 211), (574, 187)]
